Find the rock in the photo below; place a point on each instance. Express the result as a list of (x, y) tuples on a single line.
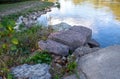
[(54, 47), (84, 50), (82, 30), (64, 58), (62, 26), (31, 18), (57, 57), (93, 43), (25, 20), (86, 45), (47, 10), (1, 77), (71, 77), (102, 64), (61, 61), (38, 71), (73, 38), (34, 17), (58, 65), (78, 75)]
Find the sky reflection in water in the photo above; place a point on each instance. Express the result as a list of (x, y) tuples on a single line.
[(102, 21)]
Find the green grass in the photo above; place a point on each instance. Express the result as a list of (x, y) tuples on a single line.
[(22, 8), (39, 57), (23, 5), (16, 46)]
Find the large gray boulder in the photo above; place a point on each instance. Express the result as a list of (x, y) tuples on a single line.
[(80, 51), (73, 76), (54, 47), (38, 71), (82, 30), (103, 64), (78, 75), (73, 38)]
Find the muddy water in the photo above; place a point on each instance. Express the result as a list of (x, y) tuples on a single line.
[(102, 16)]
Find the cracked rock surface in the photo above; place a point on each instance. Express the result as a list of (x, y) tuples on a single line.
[(38, 71), (102, 64)]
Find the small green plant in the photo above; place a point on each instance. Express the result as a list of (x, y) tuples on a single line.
[(8, 41), (10, 76), (57, 77), (39, 57), (15, 46), (71, 65)]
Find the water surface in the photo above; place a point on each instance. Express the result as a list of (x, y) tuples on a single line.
[(102, 16)]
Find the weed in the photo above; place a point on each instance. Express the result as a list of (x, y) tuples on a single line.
[(57, 77), (10, 76), (71, 65), (39, 57), (15, 46)]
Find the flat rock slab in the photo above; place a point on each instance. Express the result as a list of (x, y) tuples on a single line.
[(103, 64), (82, 30), (80, 51), (38, 71), (72, 37), (93, 43), (54, 47)]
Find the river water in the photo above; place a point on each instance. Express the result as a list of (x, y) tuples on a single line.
[(102, 16)]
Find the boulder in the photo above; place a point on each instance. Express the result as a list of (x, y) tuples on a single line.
[(78, 75), (72, 37), (84, 50), (93, 43), (71, 77), (38, 71), (54, 47), (102, 64), (62, 26), (82, 30), (1, 77)]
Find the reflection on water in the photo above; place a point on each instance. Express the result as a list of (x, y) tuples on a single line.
[(102, 16)]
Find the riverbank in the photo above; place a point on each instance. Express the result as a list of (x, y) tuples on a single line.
[(39, 52), (16, 47), (22, 8)]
